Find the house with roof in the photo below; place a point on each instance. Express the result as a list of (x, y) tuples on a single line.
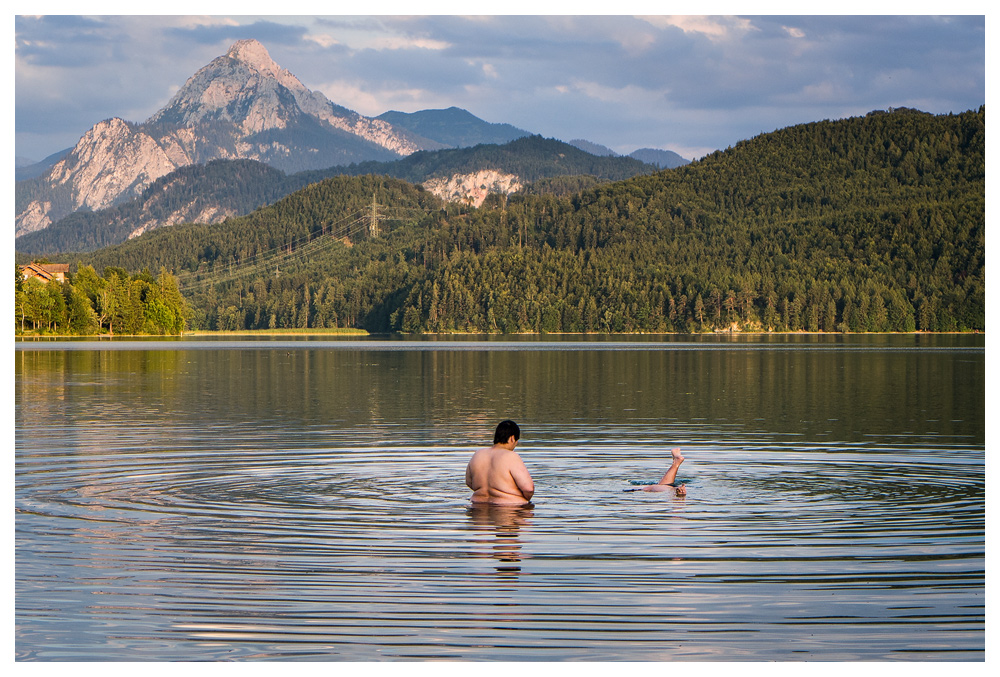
[(45, 271)]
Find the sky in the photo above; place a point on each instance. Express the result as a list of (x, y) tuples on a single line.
[(691, 84)]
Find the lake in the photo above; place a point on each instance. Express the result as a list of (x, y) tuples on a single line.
[(304, 499)]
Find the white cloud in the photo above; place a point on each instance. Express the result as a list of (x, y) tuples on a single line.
[(372, 102), (322, 39), (712, 27), (404, 42), (352, 95), (192, 21), (631, 95), (683, 82)]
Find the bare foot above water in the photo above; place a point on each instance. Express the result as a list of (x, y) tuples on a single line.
[(666, 483)]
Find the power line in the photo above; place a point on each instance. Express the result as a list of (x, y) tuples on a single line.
[(308, 237), (259, 265), (366, 221), (374, 218)]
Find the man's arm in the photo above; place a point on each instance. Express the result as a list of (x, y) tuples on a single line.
[(522, 478), (468, 476)]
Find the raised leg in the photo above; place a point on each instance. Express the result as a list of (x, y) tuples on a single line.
[(677, 459), (666, 483)]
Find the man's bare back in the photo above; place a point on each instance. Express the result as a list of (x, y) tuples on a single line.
[(497, 474)]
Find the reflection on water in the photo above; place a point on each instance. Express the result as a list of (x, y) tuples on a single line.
[(272, 501), (503, 523)]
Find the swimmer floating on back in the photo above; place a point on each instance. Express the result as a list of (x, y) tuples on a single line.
[(666, 483)]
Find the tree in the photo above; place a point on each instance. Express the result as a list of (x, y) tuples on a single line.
[(699, 310), (36, 302), (81, 318)]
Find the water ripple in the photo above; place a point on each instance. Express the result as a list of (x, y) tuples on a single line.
[(148, 532)]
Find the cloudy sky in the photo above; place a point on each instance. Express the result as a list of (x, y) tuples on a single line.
[(692, 84)]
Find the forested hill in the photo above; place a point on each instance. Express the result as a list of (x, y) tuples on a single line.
[(874, 223), (221, 189), (531, 158)]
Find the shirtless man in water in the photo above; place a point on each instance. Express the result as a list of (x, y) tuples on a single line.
[(666, 483), (497, 475)]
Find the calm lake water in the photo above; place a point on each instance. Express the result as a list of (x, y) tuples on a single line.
[(305, 500)]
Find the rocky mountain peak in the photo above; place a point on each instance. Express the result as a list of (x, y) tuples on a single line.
[(244, 85), (255, 56), (242, 105)]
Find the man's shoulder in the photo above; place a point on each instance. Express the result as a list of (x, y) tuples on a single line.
[(509, 456), (482, 454), (497, 453)]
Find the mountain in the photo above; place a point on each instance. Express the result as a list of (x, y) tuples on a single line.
[(29, 169), (664, 159), (241, 105), (470, 174), (593, 148), (221, 189), (201, 193), (869, 224), (661, 159), (453, 127)]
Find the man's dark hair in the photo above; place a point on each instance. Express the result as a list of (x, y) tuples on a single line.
[(504, 430)]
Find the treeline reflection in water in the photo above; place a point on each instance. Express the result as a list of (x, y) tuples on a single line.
[(286, 501)]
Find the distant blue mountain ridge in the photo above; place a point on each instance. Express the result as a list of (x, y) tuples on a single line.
[(663, 159), (454, 127), (458, 128), (29, 169)]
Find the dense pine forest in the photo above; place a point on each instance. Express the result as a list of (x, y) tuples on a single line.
[(868, 224)]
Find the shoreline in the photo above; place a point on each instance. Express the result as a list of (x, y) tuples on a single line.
[(362, 332), (199, 332)]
